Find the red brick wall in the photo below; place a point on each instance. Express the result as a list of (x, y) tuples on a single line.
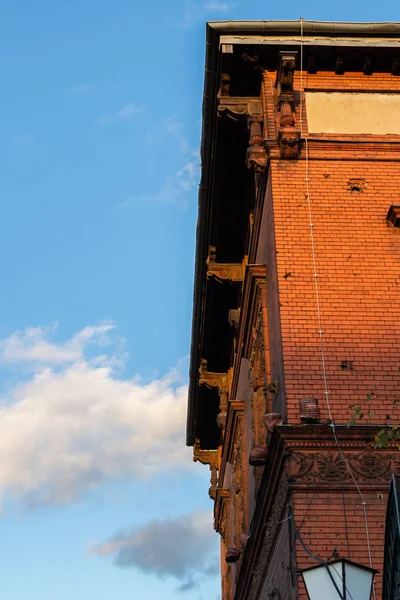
[(281, 573), (358, 265), (320, 519)]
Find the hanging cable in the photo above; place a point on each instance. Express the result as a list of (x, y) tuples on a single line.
[(314, 556)]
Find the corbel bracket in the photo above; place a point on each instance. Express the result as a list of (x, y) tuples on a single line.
[(213, 380), (223, 271), (288, 134), (208, 457), (236, 108)]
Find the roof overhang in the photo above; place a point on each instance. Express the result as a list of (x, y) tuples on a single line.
[(316, 33)]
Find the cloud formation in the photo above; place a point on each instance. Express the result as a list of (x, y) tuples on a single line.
[(197, 11), (75, 422), (183, 547), (83, 88), (177, 186), (125, 113)]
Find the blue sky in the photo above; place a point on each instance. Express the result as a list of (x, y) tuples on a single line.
[(101, 111)]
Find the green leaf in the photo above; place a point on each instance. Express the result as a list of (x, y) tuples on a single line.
[(382, 439), (371, 414)]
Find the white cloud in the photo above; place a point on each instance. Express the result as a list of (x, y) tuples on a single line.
[(126, 113), (183, 547), (83, 88), (176, 187), (197, 11), (33, 344), (75, 423), (222, 7)]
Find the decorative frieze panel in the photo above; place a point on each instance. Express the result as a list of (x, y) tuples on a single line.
[(307, 458), (330, 467)]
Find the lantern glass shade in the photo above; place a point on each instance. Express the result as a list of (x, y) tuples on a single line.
[(353, 581)]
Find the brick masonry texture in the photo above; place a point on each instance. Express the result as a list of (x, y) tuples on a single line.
[(358, 266), (327, 520)]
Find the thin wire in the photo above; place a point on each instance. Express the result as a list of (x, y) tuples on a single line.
[(318, 303), (320, 560)]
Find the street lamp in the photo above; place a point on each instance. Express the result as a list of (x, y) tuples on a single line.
[(340, 579)]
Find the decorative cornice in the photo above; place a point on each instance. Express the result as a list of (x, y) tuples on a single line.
[(321, 436), (340, 148)]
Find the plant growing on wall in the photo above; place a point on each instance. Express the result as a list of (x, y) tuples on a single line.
[(388, 433)]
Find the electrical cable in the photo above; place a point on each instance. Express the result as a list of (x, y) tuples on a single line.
[(314, 556)]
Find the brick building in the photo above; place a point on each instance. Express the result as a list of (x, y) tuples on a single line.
[(295, 342)]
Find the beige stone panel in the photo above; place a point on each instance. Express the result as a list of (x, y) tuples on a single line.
[(352, 113)]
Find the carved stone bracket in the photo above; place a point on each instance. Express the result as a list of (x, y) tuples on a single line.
[(251, 108), (238, 107), (208, 457), (213, 380), (222, 272), (288, 134)]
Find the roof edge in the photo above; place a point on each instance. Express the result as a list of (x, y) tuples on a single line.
[(316, 27)]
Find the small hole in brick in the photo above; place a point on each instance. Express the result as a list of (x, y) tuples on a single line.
[(356, 185), (347, 365)]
